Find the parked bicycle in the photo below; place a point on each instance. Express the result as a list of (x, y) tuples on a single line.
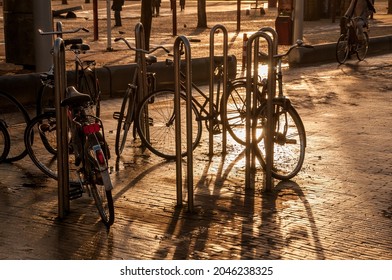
[(133, 95), (85, 81), (89, 165), (348, 43), (14, 119), (289, 138)]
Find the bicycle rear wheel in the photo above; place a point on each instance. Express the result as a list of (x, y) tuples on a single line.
[(15, 118), (235, 118), (289, 140), (98, 174), (363, 47), (5, 142), (342, 48), (125, 119), (156, 124)]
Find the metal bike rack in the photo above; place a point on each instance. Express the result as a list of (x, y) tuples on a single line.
[(60, 84), (177, 111), (141, 44), (224, 94), (251, 80)]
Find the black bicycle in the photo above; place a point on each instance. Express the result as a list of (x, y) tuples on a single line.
[(88, 167), (348, 43), (5, 142)]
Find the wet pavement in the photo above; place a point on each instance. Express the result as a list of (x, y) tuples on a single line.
[(337, 207)]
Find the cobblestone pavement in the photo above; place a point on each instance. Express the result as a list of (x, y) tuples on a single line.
[(338, 207)]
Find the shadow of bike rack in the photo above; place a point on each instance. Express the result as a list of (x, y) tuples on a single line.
[(253, 44)]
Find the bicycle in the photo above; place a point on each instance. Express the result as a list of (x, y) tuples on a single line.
[(85, 76), (14, 118), (289, 137), (126, 117), (89, 167), (85, 81), (348, 43)]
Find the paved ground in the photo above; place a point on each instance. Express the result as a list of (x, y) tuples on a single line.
[(338, 207)]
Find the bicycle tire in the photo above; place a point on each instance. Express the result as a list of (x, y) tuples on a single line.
[(89, 84), (42, 129), (289, 147), (159, 136), (16, 119), (125, 120), (5, 142), (342, 48), (235, 118), (363, 47), (102, 196)]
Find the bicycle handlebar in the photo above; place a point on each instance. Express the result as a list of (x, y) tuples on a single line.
[(140, 50), (298, 44), (40, 31)]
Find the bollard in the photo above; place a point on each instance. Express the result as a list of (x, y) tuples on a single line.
[(61, 127), (251, 81), (177, 111), (224, 94), (244, 51)]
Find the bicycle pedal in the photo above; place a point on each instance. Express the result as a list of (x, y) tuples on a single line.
[(116, 115), (75, 191)]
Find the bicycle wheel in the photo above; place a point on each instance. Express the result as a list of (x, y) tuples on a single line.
[(157, 111), (363, 47), (235, 118), (40, 134), (16, 118), (5, 142), (125, 119), (289, 140), (88, 84), (98, 174), (342, 49)]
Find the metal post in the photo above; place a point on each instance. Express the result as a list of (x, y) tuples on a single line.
[(251, 81), (182, 40), (298, 20), (224, 94), (140, 43), (60, 84), (108, 26), (42, 44)]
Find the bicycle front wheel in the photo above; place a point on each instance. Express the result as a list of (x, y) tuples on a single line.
[(5, 142), (156, 124), (235, 118), (363, 47), (125, 119), (289, 140), (342, 49), (15, 117)]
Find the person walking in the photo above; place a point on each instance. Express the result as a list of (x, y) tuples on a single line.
[(117, 8), (360, 10)]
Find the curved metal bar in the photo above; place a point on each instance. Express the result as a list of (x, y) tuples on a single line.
[(60, 84), (224, 94), (251, 81), (183, 41)]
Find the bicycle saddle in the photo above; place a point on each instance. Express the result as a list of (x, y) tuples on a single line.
[(74, 97), (80, 47), (150, 59)]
